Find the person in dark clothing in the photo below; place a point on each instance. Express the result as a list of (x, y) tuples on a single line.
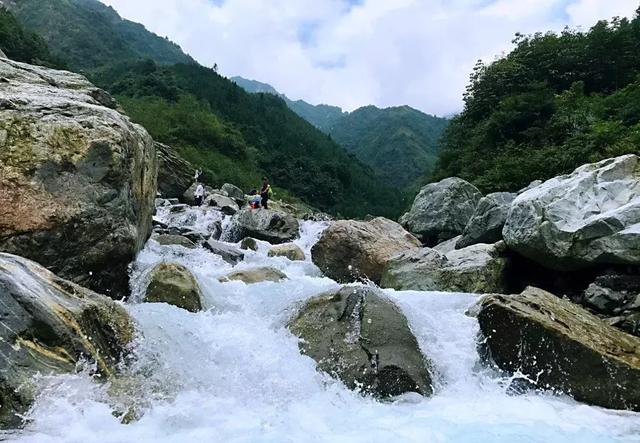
[(265, 193)]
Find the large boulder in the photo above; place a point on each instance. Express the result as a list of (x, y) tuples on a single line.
[(48, 326), (264, 224), (591, 216), (77, 178), (288, 250), (560, 346), (255, 275), (189, 195), (479, 268), (486, 223), (350, 249), (441, 210), (234, 192), (174, 284), (226, 204), (362, 338), (613, 294), (175, 174)]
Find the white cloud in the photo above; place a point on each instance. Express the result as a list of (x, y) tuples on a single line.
[(382, 52)]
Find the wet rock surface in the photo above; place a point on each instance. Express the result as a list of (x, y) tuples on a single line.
[(174, 284)]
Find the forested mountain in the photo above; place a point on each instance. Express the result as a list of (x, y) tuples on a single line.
[(399, 143), (88, 34), (24, 46), (323, 117), (234, 136), (555, 102)]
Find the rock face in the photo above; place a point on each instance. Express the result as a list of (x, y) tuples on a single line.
[(48, 324), (562, 347), (360, 337), (479, 268), (175, 174), (234, 192), (441, 210), (264, 224), (228, 253), (289, 250), (486, 223), (255, 275), (172, 283), (350, 249), (77, 178), (591, 216)]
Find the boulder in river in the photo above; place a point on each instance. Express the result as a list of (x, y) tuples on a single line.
[(486, 223), (264, 224), (288, 250), (175, 174), (441, 210), (558, 345), (357, 335), (249, 243), (255, 275), (230, 254), (478, 268), (226, 204), (174, 284), (234, 192), (351, 249), (178, 240), (48, 325), (77, 178), (589, 217)]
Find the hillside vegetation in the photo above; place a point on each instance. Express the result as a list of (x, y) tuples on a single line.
[(88, 34), (400, 143), (555, 102)]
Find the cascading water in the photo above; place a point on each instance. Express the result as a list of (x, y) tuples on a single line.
[(233, 373)]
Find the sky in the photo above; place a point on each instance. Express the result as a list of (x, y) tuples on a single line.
[(352, 53)]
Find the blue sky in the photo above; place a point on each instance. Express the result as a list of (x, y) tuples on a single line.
[(352, 53)]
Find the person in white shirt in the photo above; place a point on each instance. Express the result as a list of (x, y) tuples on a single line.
[(199, 194)]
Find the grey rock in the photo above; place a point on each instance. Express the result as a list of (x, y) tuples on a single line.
[(196, 236), (479, 268), (611, 294), (178, 208), (234, 192), (350, 249), (363, 339), (485, 226), (226, 204), (288, 250), (216, 230), (263, 224), (255, 275), (78, 176), (228, 253), (441, 210), (188, 196), (174, 284), (49, 324), (591, 216), (175, 174), (178, 240), (562, 347), (447, 246), (249, 243)]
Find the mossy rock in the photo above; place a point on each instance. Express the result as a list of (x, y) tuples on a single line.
[(174, 284), (255, 275)]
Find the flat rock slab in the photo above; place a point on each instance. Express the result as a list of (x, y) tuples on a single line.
[(229, 253), (255, 275)]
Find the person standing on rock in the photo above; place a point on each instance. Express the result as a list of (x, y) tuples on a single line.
[(199, 194), (265, 193)]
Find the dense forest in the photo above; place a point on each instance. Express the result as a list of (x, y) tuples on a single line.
[(555, 102), (234, 136), (400, 143), (24, 46)]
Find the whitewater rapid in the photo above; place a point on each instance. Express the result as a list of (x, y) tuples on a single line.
[(233, 373)]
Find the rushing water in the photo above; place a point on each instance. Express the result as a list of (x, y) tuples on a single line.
[(233, 373)]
